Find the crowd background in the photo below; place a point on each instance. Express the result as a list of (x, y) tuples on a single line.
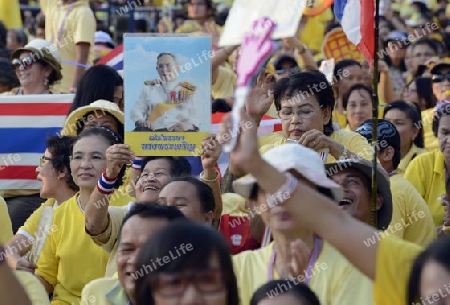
[(269, 222)]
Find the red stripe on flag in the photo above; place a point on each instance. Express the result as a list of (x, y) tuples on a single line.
[(13, 172), (34, 108), (277, 127), (367, 19), (104, 60)]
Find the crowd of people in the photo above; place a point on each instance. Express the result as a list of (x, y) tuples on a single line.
[(292, 218)]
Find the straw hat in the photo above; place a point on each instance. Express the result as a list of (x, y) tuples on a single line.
[(44, 51), (72, 122)]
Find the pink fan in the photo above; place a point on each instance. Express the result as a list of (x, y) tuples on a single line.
[(256, 50)]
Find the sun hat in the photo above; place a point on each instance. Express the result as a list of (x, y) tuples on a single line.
[(103, 37), (442, 63), (44, 51), (303, 160), (72, 124), (384, 214)]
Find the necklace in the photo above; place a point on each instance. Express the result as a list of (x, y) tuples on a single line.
[(394, 172), (79, 204), (312, 261)]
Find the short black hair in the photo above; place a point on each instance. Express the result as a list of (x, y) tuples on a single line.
[(438, 114), (303, 83), (341, 65), (151, 210), (220, 105), (437, 252), (413, 113), (204, 242), (297, 289), (356, 87), (179, 166), (432, 43), (203, 191), (60, 148), (166, 54), (109, 136)]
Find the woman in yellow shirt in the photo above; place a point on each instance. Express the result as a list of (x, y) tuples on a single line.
[(70, 259), (406, 119), (357, 102), (57, 187)]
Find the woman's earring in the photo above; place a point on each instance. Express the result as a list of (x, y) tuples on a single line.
[(46, 81)]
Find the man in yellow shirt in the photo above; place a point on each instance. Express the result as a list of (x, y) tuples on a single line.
[(411, 218), (70, 26), (141, 222)]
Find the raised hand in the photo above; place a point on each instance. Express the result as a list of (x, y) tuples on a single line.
[(259, 98), (210, 151), (210, 27), (117, 156)]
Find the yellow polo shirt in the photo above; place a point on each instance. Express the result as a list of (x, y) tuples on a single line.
[(225, 83), (334, 280), (430, 140), (70, 259), (393, 266), (354, 142), (6, 232), (33, 287), (104, 291), (427, 174), (411, 218), (413, 152)]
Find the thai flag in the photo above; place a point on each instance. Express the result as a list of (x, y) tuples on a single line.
[(357, 18), (113, 58), (25, 123)]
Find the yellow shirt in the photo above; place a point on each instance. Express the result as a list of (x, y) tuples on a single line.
[(394, 261), (33, 287), (108, 239), (413, 152), (334, 279), (70, 259), (78, 27), (104, 291), (427, 174), (6, 232), (411, 218), (10, 13), (354, 142), (430, 141), (224, 85), (314, 31)]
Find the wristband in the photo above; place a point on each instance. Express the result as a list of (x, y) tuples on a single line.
[(284, 192), (137, 163), (106, 185)]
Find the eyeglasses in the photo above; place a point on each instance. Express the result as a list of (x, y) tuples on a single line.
[(438, 78), (290, 69), (172, 285), (25, 62), (164, 66), (42, 160), (304, 113)]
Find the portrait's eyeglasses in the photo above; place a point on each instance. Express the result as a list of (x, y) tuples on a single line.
[(25, 62), (438, 78), (42, 160), (174, 284), (290, 70), (164, 66)]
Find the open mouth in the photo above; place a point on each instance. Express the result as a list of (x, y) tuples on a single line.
[(151, 188), (345, 202)]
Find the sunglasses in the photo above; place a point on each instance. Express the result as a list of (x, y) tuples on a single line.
[(42, 160), (25, 62), (438, 78), (291, 70)]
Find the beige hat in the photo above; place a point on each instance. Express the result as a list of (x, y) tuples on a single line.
[(303, 160), (72, 122), (384, 214), (44, 51)]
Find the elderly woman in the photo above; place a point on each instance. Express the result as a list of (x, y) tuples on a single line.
[(38, 66)]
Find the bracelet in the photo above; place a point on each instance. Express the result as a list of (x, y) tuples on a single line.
[(202, 177), (137, 163), (284, 192), (343, 156), (106, 185)]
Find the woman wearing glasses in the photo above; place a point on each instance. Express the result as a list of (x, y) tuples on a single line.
[(70, 259), (189, 263), (57, 187), (37, 66)]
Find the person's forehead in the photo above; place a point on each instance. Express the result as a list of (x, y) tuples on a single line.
[(166, 58), (178, 189), (298, 99), (348, 173), (157, 164), (137, 227), (25, 54)]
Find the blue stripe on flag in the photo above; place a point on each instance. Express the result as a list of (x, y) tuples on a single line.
[(25, 140), (339, 6)]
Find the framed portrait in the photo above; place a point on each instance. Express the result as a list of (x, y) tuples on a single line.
[(167, 83)]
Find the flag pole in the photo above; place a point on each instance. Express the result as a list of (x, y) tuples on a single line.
[(375, 116)]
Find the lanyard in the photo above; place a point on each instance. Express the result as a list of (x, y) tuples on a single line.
[(312, 261), (62, 22)]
